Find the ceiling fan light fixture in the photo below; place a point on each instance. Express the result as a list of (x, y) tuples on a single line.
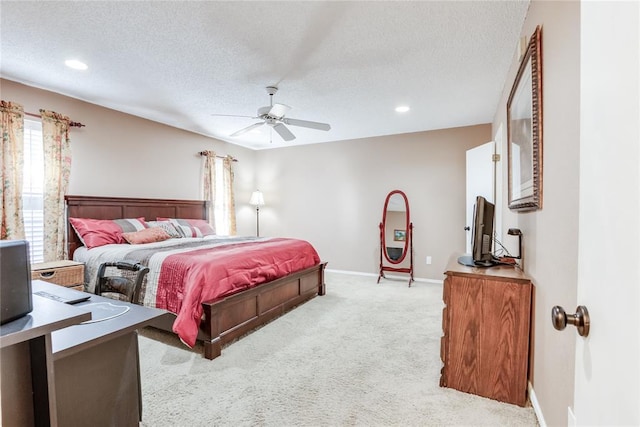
[(278, 110)]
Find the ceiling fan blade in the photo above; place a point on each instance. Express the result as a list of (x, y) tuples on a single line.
[(247, 129), (279, 110), (284, 132), (307, 124), (234, 115)]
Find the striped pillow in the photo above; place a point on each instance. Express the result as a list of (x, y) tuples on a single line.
[(167, 226), (191, 227), (99, 232)]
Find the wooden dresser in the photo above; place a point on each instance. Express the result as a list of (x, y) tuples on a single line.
[(486, 324)]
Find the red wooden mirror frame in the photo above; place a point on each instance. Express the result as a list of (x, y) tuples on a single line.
[(408, 243)]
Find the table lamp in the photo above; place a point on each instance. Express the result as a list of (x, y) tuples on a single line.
[(517, 232)]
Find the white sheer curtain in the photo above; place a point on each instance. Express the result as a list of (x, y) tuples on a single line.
[(217, 188)]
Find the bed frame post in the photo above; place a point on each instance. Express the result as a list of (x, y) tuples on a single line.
[(212, 342), (321, 285)]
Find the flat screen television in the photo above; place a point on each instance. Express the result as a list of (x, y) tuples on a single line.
[(481, 235)]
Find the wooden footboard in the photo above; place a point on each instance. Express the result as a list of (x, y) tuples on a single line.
[(230, 318), (234, 316)]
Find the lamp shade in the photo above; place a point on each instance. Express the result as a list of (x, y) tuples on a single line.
[(256, 198)]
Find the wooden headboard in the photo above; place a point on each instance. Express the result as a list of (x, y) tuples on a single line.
[(124, 207)]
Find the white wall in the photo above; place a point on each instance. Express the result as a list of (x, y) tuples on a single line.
[(550, 235)]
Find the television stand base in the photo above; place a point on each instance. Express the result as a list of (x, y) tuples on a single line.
[(469, 262)]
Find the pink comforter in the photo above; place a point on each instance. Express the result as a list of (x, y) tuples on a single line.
[(188, 279)]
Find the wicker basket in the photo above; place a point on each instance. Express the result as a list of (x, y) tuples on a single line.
[(65, 273)]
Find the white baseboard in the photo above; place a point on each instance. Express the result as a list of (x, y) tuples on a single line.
[(536, 406), (355, 273), (388, 276)]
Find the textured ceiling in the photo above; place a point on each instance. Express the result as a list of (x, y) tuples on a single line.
[(344, 63)]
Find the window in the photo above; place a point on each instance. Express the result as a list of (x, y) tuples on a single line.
[(33, 189)]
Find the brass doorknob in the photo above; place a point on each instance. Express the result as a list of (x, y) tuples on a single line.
[(581, 320)]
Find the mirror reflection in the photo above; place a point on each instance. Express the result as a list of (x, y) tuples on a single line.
[(395, 228)]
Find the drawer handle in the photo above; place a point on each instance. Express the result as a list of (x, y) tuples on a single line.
[(47, 274)]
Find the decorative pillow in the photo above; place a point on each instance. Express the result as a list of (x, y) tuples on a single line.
[(99, 232), (148, 235), (191, 227), (167, 226)]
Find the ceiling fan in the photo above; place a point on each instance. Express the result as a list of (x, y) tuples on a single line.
[(274, 116)]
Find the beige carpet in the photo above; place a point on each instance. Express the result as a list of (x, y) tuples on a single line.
[(363, 354)]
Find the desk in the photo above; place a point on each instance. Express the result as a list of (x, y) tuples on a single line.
[(95, 375), (28, 394)]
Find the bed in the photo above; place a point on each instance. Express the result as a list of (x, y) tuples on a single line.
[(220, 316)]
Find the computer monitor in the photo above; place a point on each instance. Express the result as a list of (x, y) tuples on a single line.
[(15, 280), (481, 235)]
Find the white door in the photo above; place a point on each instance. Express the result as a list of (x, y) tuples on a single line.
[(607, 365), (480, 180), (497, 184)]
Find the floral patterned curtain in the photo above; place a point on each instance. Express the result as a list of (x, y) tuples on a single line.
[(229, 197), (209, 184), (57, 167), (12, 169)]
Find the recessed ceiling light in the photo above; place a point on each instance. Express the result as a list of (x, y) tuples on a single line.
[(75, 64), (402, 109)]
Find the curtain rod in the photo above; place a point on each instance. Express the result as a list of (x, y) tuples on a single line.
[(204, 153), (72, 124)]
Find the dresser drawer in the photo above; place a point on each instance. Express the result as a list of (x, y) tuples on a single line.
[(64, 273)]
